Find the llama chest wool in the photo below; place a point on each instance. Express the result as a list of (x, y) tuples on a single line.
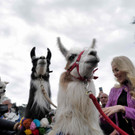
[(39, 97)]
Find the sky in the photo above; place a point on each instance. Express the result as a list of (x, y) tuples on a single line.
[(25, 24)]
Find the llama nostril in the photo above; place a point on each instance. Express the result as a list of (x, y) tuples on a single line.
[(94, 53), (42, 57)]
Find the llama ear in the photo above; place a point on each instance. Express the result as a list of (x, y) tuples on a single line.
[(93, 43), (61, 47), (32, 53), (49, 54)]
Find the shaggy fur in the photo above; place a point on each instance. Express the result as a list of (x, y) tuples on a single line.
[(76, 114), (2, 90)]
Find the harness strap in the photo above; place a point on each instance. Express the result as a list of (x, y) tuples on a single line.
[(76, 64)]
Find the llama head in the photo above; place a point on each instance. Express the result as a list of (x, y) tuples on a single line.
[(80, 64), (2, 87), (40, 64)]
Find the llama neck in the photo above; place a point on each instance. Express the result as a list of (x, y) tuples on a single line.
[(66, 77), (34, 76), (72, 96)]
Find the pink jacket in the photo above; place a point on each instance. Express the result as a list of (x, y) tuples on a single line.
[(129, 110)]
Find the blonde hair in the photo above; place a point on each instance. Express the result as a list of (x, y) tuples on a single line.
[(124, 64)]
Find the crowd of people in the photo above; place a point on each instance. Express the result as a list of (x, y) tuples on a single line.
[(119, 105)]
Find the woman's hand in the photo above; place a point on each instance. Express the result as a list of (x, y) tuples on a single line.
[(113, 109)]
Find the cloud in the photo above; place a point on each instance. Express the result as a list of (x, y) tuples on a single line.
[(25, 24)]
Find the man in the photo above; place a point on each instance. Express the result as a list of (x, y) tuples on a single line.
[(103, 99), (7, 101), (108, 130)]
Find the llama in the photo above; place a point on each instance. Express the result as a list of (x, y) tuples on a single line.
[(2, 90), (38, 106), (76, 114)]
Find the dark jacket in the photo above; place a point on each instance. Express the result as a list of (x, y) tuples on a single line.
[(6, 127)]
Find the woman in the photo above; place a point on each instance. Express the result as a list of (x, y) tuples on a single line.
[(121, 101)]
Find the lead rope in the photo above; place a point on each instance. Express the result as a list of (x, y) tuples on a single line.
[(45, 94), (92, 97), (104, 116)]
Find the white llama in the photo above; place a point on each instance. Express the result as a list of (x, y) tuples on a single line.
[(76, 113), (2, 90)]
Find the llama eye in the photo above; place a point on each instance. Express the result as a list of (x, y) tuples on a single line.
[(93, 53), (1, 87), (71, 58), (35, 60)]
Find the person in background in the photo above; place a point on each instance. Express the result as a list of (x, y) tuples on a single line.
[(103, 99), (7, 101), (121, 101), (7, 127), (15, 111), (12, 113), (107, 128)]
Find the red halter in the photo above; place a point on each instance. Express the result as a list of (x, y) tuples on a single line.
[(76, 64)]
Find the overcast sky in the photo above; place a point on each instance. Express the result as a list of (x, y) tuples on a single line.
[(28, 23)]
